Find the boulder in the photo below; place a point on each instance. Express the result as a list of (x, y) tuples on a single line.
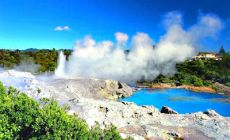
[(168, 110), (211, 113), (221, 88), (115, 89)]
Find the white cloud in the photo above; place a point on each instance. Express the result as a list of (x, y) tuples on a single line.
[(62, 28)]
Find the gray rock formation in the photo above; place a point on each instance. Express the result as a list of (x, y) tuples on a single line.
[(221, 88), (114, 90)]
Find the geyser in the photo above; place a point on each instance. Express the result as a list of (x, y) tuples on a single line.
[(106, 60), (60, 71)]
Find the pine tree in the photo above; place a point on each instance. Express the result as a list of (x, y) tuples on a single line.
[(222, 51)]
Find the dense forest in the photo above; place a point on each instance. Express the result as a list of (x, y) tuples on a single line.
[(24, 118)]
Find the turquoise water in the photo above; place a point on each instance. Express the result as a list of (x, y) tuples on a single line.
[(181, 100)]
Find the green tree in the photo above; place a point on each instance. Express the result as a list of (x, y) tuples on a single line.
[(25, 118), (222, 50), (196, 81), (67, 53)]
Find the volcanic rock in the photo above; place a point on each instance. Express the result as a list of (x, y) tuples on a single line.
[(114, 90), (211, 113), (141, 122), (168, 110)]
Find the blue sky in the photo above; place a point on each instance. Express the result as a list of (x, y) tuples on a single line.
[(31, 23)]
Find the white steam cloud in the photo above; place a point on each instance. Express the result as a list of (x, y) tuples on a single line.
[(61, 64), (121, 38), (107, 60)]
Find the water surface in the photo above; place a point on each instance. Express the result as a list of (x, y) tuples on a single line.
[(181, 100)]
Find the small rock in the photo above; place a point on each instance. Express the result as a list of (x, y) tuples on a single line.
[(74, 101), (168, 110), (174, 135), (127, 103), (103, 109), (119, 85), (144, 106), (137, 114), (150, 113)]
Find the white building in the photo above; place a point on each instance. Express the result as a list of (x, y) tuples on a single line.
[(207, 55)]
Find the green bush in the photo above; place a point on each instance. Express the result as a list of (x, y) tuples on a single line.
[(227, 84), (207, 83), (25, 118), (196, 81)]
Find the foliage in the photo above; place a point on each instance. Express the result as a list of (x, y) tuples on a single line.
[(9, 58), (222, 50), (25, 118), (199, 72), (67, 53), (47, 59), (42, 60), (227, 84), (110, 133)]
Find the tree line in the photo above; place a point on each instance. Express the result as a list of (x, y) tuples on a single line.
[(46, 59)]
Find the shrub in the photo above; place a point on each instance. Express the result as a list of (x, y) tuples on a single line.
[(227, 84), (196, 81), (207, 83), (25, 118)]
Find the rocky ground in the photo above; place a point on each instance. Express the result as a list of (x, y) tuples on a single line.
[(220, 88), (91, 100)]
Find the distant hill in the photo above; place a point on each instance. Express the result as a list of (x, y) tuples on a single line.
[(31, 50)]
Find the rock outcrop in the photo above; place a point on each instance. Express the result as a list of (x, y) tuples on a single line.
[(198, 89), (211, 113), (221, 88), (189, 87), (168, 110), (114, 90)]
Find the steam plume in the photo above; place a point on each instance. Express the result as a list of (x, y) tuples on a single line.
[(61, 65), (107, 60)]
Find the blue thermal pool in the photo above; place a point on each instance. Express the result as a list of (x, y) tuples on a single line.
[(181, 100)]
